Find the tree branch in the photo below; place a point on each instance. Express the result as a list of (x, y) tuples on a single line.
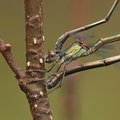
[(36, 92), (37, 97), (5, 49)]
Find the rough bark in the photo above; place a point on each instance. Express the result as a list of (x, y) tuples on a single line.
[(38, 99), (35, 92)]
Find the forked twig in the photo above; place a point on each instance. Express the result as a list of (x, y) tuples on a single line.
[(5, 49)]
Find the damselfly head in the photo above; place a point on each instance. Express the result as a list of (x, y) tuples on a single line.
[(50, 57)]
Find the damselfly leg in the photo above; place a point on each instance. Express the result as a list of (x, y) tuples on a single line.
[(45, 70), (61, 79)]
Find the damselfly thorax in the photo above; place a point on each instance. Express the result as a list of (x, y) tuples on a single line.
[(74, 51)]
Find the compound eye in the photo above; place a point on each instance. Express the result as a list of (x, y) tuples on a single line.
[(52, 55)]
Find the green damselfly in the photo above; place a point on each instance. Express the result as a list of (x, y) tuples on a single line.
[(74, 51)]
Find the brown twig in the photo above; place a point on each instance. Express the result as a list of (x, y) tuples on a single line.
[(36, 92), (5, 49), (37, 98)]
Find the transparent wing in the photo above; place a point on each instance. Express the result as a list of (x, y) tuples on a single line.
[(87, 38)]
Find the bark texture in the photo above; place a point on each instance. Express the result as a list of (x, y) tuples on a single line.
[(35, 59), (35, 92)]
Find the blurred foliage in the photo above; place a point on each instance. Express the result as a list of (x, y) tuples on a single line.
[(97, 90)]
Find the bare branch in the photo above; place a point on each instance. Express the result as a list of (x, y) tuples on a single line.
[(37, 96), (5, 49)]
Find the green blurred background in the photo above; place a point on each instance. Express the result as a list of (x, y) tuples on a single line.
[(88, 95)]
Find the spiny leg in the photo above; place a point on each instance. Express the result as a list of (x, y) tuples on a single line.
[(33, 81), (48, 70), (45, 70), (41, 79), (65, 36), (57, 69), (53, 74), (61, 81)]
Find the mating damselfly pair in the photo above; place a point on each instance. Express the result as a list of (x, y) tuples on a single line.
[(76, 50)]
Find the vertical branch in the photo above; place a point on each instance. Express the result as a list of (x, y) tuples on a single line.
[(37, 97)]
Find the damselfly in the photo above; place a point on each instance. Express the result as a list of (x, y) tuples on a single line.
[(74, 51)]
